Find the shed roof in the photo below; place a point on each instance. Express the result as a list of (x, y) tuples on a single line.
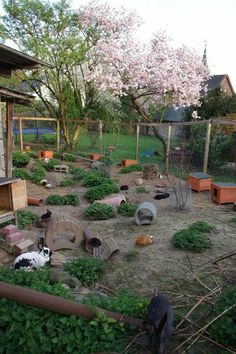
[(12, 59), (216, 80), (7, 95)]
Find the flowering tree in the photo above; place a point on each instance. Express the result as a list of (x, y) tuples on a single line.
[(154, 74)]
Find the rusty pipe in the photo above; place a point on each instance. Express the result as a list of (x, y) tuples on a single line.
[(57, 304)]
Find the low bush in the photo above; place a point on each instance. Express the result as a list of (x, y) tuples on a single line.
[(131, 169), (26, 218), (142, 190), (20, 159), (224, 329), (69, 199), (233, 219), (57, 155), (69, 157), (99, 211), (22, 173), (78, 173), (131, 255), (201, 226), (99, 192), (87, 270), (66, 182), (49, 165), (38, 173), (127, 209), (93, 179), (191, 240)]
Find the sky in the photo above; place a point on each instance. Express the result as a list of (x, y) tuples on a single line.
[(192, 23)]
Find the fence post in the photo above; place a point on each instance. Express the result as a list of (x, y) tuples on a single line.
[(100, 135), (137, 140), (21, 135), (207, 144), (58, 135), (168, 146)]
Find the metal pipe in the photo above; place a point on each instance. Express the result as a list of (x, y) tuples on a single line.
[(57, 304)]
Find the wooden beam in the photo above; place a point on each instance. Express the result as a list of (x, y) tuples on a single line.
[(168, 147), (21, 135), (137, 141), (207, 144), (9, 142), (5, 73)]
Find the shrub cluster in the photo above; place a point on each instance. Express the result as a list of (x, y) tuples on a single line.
[(67, 182), (93, 179), (69, 199), (194, 238), (26, 218), (49, 166), (78, 173), (131, 169), (142, 190), (87, 270), (35, 176), (99, 211), (20, 159), (127, 209), (69, 157), (224, 329), (99, 192)]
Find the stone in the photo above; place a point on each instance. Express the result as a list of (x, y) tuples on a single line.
[(23, 246), (13, 238), (9, 229), (139, 181), (64, 278)]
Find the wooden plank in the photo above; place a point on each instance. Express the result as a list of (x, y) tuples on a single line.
[(100, 137), (21, 135), (9, 142), (36, 118), (137, 141), (5, 73), (5, 197), (168, 147), (58, 135), (19, 195)]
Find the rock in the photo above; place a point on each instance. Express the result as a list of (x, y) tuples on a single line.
[(139, 181), (95, 165), (59, 276)]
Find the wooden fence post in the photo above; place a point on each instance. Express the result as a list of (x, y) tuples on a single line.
[(100, 135), (137, 141), (21, 135), (168, 147), (207, 144), (9, 142), (58, 135)]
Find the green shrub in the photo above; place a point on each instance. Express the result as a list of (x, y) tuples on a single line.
[(99, 211), (20, 159), (69, 157), (191, 240), (142, 190), (33, 154), (69, 199), (78, 173), (127, 209), (201, 226), (66, 182), (22, 173), (57, 155), (87, 270), (94, 179), (38, 173), (131, 255), (49, 166), (99, 192), (26, 218), (131, 169), (233, 219), (223, 330)]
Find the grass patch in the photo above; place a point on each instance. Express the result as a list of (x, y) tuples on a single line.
[(131, 169), (26, 218), (87, 270), (99, 192), (69, 199), (99, 211), (127, 209), (142, 190), (233, 219), (201, 226), (191, 240), (131, 255), (67, 182), (93, 179)]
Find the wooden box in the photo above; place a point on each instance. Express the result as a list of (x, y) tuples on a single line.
[(223, 192), (127, 163), (45, 154), (96, 157), (200, 181), (13, 194)]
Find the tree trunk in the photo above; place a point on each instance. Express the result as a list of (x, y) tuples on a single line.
[(162, 140)]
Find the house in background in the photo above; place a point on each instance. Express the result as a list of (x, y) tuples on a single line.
[(221, 81)]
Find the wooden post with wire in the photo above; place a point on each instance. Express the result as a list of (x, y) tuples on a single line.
[(207, 144), (100, 135), (58, 135), (9, 142), (168, 147), (137, 141), (21, 135)]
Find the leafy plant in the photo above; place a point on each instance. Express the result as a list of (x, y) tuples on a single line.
[(66, 182), (20, 159), (201, 226), (87, 270), (95, 179), (22, 173), (26, 218), (99, 192), (78, 173), (142, 190), (233, 219), (49, 165), (191, 240), (69, 199), (224, 329), (99, 211), (131, 255), (131, 169), (38, 173), (69, 157), (127, 209)]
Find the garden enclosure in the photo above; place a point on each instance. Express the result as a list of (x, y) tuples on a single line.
[(207, 145)]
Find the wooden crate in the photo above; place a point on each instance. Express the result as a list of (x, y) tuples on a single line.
[(96, 157), (127, 163), (200, 181), (13, 194), (223, 192), (45, 154)]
